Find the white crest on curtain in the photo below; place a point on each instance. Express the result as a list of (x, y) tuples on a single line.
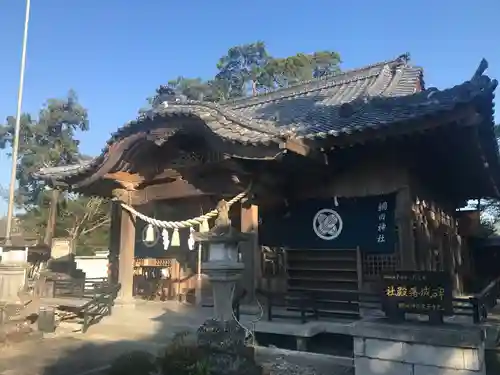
[(191, 239), (165, 239), (150, 233)]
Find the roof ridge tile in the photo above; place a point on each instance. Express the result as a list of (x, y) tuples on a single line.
[(249, 100)]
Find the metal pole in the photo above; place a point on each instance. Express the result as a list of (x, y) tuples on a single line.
[(15, 142)]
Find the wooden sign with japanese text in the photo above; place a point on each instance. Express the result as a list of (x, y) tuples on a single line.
[(420, 292)]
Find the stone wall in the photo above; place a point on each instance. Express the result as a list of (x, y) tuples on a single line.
[(439, 353), (374, 356)]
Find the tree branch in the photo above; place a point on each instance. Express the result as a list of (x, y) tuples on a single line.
[(96, 226)]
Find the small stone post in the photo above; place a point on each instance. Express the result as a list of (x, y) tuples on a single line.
[(223, 337)]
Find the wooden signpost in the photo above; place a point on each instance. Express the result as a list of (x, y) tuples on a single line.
[(417, 292)]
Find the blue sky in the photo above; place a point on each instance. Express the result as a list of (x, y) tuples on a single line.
[(114, 53)]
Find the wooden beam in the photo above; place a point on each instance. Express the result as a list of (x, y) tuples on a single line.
[(172, 190), (299, 147), (133, 181), (124, 176)]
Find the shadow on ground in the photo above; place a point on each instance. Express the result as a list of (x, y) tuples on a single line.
[(146, 326), (143, 327)]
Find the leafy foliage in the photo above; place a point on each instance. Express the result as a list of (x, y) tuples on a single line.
[(249, 69), (302, 67), (134, 363), (243, 64), (46, 141), (49, 141), (182, 356), (490, 208)]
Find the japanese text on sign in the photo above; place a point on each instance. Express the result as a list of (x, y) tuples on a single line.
[(422, 307), (382, 226), (418, 291), (415, 292)]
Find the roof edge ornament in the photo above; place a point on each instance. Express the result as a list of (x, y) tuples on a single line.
[(483, 66), (405, 57)]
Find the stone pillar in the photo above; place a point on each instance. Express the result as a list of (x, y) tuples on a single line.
[(126, 257), (12, 273), (418, 349)]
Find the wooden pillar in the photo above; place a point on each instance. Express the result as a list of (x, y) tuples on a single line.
[(251, 254), (404, 220), (114, 242), (126, 256)]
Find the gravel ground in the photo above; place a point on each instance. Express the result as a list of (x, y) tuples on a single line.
[(289, 365)]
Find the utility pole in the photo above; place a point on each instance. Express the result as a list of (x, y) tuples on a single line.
[(15, 141)]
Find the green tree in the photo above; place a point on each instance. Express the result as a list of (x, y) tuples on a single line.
[(497, 130), (249, 69), (191, 88), (282, 72), (490, 208), (49, 141), (325, 63), (242, 65), (46, 141)]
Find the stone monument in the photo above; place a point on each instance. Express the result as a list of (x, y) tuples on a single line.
[(223, 337), (62, 264), (12, 273)]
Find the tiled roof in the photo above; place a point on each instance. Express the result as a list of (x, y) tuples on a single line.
[(69, 170), (374, 96), (378, 95)]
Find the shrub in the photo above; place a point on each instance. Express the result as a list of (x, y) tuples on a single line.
[(183, 358), (134, 363)]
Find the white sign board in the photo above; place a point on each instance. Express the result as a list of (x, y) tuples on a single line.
[(61, 248)]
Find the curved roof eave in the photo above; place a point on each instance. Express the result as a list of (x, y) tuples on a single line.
[(223, 130)]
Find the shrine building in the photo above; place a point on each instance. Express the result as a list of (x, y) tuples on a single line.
[(344, 176)]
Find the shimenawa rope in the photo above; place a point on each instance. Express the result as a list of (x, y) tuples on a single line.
[(199, 220)]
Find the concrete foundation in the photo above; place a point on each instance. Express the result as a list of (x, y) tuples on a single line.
[(405, 349)]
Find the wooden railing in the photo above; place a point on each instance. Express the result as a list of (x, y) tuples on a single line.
[(485, 301), (303, 305), (77, 287)]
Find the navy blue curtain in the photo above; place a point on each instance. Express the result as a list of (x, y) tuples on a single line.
[(367, 222)]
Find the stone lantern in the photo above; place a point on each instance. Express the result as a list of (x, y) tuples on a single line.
[(223, 267), (223, 337)]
